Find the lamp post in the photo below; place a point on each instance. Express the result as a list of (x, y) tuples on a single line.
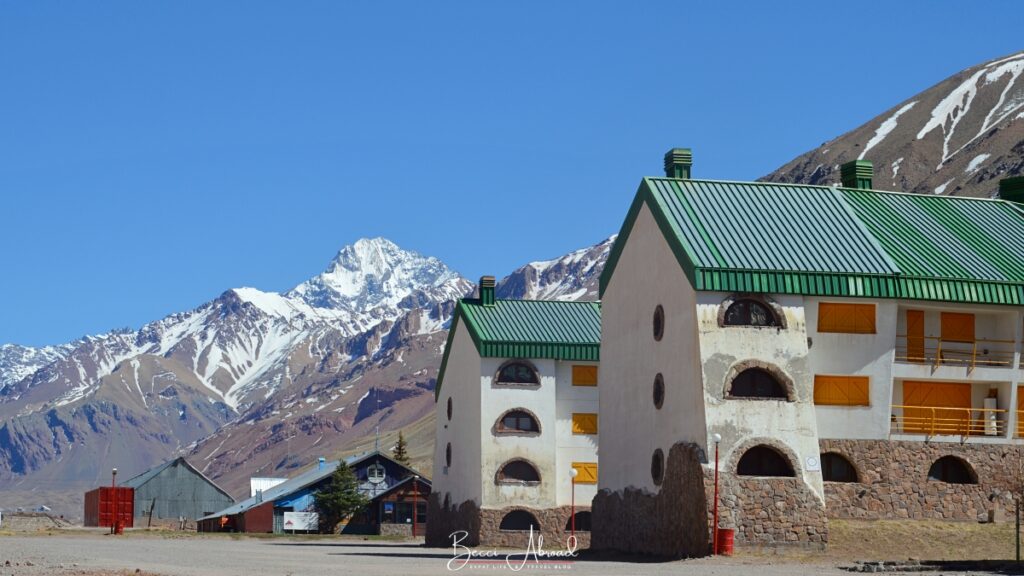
[(714, 530), (415, 501), (113, 491), (572, 508)]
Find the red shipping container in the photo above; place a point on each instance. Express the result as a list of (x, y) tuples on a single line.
[(100, 505)]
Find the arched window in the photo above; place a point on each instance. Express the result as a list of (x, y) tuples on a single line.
[(517, 372), (747, 312), (658, 466), (836, 468), (756, 383), (448, 455), (582, 522), (449, 408), (659, 323), (764, 461), (659, 391), (519, 520), (518, 472), (952, 470), (517, 421)]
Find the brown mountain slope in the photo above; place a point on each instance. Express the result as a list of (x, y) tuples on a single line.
[(959, 137)]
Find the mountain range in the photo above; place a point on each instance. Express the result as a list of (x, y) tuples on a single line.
[(258, 383)]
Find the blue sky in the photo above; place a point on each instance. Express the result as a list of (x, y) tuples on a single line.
[(154, 154)]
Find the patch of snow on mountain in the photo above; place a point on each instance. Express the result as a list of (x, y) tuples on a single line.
[(896, 167), (975, 163), (942, 187), (884, 129)]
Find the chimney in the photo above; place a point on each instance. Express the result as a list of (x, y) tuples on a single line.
[(857, 174), (1012, 189), (259, 495), (487, 290), (320, 462), (678, 162)]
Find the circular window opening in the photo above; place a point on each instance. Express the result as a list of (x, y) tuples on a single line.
[(449, 409), (659, 323), (658, 466), (659, 391), (448, 455)]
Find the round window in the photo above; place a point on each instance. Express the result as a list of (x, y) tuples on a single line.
[(448, 455), (659, 323), (659, 390), (658, 466), (449, 409)]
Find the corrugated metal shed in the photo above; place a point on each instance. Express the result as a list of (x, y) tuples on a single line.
[(817, 240), (176, 489)]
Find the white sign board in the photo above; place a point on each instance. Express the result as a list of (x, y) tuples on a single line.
[(301, 521), (812, 464)]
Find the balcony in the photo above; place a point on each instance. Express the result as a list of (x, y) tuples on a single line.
[(935, 351), (942, 421)]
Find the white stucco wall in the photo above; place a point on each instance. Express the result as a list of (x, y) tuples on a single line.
[(631, 428), (462, 384), (743, 421), (868, 355), (574, 447)]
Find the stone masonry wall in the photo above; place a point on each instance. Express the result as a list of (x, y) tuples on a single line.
[(893, 480), (672, 523), (552, 524), (444, 519)]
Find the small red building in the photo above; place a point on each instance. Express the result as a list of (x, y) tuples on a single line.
[(101, 503)]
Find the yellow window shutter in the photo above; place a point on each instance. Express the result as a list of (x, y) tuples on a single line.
[(586, 472), (846, 318), (842, 390), (584, 375), (584, 423)]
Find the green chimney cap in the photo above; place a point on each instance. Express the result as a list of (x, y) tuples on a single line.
[(678, 162), (857, 174), (487, 290), (1012, 189)]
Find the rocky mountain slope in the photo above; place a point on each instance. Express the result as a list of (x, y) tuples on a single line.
[(959, 137), (251, 383)]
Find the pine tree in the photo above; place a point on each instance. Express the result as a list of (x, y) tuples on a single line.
[(339, 499), (401, 450)]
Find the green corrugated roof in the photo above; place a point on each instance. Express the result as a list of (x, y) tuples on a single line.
[(817, 240), (528, 329)]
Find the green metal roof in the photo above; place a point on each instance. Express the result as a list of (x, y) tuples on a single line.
[(528, 329), (824, 241)]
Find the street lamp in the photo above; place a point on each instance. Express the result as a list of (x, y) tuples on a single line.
[(572, 509), (415, 501), (714, 545), (113, 486)]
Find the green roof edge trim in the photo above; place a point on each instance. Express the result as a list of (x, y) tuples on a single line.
[(854, 285)]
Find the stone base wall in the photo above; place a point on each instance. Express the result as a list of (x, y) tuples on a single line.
[(893, 480), (552, 523), (482, 526), (672, 523), (768, 512)]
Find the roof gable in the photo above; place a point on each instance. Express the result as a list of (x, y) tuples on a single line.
[(817, 240), (142, 479), (527, 329)]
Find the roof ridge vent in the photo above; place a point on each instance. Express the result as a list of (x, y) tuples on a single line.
[(487, 290), (1012, 189), (857, 174), (678, 162)]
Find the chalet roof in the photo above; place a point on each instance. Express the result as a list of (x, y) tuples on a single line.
[(827, 241)]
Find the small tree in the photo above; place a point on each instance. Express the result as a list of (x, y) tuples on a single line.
[(401, 450), (339, 499)]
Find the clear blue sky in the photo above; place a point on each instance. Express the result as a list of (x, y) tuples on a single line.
[(154, 154)]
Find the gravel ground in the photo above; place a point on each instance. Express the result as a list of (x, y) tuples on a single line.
[(99, 555)]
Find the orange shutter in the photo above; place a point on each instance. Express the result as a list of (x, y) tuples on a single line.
[(584, 375), (927, 395), (957, 327), (1020, 410), (584, 423), (846, 318), (586, 472), (915, 335), (842, 390)]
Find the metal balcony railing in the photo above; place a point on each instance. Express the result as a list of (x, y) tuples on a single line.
[(934, 351), (941, 421)]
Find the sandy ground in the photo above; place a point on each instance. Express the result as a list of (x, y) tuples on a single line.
[(92, 553)]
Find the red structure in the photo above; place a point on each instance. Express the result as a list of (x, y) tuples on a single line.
[(101, 503)]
